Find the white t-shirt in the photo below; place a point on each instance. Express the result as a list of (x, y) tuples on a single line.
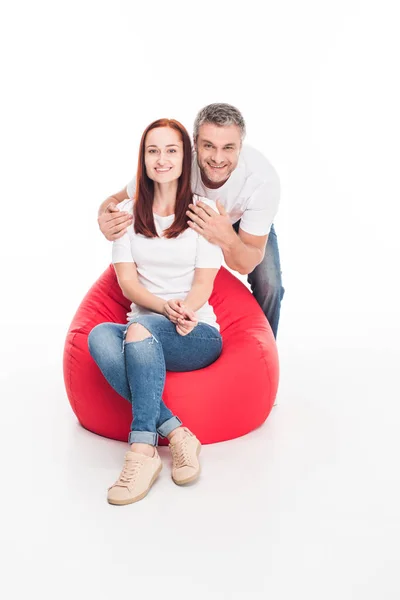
[(166, 266), (251, 193)]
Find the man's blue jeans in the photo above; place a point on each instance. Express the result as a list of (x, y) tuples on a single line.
[(136, 370), (266, 281)]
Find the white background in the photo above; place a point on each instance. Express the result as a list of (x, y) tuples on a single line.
[(307, 504)]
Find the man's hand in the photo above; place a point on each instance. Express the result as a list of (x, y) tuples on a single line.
[(216, 228), (113, 223)]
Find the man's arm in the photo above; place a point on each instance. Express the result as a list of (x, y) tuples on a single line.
[(244, 251), (112, 222)]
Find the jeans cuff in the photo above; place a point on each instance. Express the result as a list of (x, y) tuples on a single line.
[(168, 426), (143, 437)]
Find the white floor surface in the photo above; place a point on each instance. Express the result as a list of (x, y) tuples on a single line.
[(306, 506)]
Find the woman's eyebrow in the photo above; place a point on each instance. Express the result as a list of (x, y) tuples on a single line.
[(167, 146)]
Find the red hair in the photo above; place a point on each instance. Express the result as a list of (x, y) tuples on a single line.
[(144, 195)]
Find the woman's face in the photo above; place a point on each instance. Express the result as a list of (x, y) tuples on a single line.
[(163, 154)]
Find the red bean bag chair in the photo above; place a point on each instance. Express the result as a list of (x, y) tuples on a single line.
[(226, 400)]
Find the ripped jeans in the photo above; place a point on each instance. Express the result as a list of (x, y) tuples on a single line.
[(137, 370)]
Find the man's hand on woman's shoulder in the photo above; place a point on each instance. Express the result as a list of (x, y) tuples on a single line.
[(113, 222)]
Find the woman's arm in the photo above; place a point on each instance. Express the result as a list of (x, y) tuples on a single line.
[(133, 290), (201, 289)]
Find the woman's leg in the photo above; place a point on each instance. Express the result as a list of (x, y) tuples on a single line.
[(107, 347), (158, 347), (165, 349)]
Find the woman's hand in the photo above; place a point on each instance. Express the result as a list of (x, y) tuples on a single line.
[(188, 321), (183, 317), (186, 325), (172, 310)]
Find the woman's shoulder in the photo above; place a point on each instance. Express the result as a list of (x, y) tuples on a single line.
[(211, 203), (126, 206)]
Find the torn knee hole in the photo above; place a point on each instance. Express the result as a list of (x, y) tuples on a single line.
[(136, 333)]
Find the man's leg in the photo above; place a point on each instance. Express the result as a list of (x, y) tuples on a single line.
[(266, 281)]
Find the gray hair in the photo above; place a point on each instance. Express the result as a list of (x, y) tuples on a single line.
[(219, 114)]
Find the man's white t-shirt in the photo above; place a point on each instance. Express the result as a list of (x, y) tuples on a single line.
[(166, 266), (251, 193)]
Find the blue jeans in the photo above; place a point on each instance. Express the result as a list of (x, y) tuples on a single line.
[(136, 370), (266, 281)]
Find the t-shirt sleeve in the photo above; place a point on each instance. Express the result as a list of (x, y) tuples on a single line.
[(121, 250), (262, 208), (131, 188)]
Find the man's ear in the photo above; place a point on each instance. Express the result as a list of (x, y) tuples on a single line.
[(195, 144)]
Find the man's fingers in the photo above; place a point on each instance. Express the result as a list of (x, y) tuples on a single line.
[(116, 230), (117, 219), (195, 226), (195, 217), (221, 207), (201, 211), (205, 208)]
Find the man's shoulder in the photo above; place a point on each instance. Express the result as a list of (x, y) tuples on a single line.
[(256, 164)]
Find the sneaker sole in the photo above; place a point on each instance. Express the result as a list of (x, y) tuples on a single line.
[(193, 477), (141, 496)]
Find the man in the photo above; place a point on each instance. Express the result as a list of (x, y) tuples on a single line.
[(246, 188)]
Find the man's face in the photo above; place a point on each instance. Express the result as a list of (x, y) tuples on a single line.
[(218, 149)]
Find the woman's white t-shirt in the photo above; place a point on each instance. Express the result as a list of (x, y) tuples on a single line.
[(166, 266)]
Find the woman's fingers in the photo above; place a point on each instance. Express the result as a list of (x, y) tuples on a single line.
[(181, 331), (188, 313), (170, 313), (186, 325), (174, 309)]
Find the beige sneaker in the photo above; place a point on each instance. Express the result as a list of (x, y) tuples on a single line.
[(185, 462), (137, 476)]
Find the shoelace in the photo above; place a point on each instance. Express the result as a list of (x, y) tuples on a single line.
[(129, 472), (180, 454)]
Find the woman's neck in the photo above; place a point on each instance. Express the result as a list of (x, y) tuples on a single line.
[(165, 198)]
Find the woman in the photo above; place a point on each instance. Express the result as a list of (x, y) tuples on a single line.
[(167, 271)]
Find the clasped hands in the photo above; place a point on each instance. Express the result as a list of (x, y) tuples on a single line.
[(178, 313)]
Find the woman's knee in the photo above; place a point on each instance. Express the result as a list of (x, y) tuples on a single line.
[(96, 336), (104, 339), (136, 333)]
